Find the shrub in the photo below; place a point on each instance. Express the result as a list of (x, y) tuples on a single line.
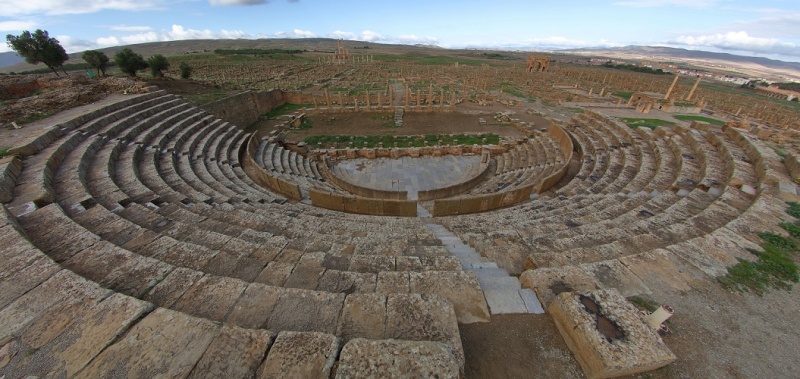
[(158, 63), (186, 70), (129, 62)]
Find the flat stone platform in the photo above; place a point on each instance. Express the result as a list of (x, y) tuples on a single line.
[(407, 173)]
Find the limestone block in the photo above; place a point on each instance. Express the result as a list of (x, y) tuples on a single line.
[(459, 287), (363, 315), (548, 283), (304, 310), (300, 355), (234, 353), (254, 307), (361, 358), (607, 335), (165, 343)]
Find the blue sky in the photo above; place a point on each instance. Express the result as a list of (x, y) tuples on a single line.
[(769, 28)]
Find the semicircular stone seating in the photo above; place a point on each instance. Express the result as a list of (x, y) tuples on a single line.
[(134, 242)]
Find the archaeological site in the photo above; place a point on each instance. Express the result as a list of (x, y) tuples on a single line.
[(344, 212)]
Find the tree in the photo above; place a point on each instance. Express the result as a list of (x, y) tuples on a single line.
[(186, 70), (39, 47), (158, 63), (97, 60), (129, 62)]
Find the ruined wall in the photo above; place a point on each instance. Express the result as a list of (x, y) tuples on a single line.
[(246, 108), (359, 190), (261, 177), (455, 189), (482, 203), (362, 205), (793, 165)]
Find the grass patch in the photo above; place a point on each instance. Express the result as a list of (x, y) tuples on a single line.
[(4, 152), (283, 109), (792, 227), (643, 303), (344, 141), (779, 241), (205, 98), (651, 123), (794, 209), (624, 95), (687, 117)]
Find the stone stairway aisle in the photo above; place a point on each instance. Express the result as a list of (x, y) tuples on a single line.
[(503, 292), (398, 116)]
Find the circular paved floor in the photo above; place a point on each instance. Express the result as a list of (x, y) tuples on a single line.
[(409, 174)]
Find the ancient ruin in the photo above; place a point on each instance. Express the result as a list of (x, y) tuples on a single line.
[(145, 234)]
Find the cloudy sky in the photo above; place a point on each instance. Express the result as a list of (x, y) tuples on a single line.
[(769, 28)]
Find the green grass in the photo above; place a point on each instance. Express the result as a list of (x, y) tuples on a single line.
[(781, 153), (643, 303), (4, 152), (687, 117), (284, 109), (774, 268), (624, 95), (794, 209), (343, 141), (651, 123), (205, 98)]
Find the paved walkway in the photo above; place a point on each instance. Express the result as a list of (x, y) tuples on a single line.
[(504, 293), (407, 173)]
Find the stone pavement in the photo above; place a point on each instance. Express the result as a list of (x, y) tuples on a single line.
[(407, 173), (503, 292)]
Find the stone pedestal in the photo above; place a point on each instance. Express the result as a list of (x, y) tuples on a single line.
[(607, 335)]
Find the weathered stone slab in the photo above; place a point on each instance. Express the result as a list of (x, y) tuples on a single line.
[(459, 287), (660, 267), (626, 345), (416, 317), (254, 307), (166, 343), (68, 340), (234, 353), (392, 282), (307, 272), (612, 274), (211, 297), (300, 355), (347, 282), (364, 316), (23, 279), (549, 282), (275, 273), (169, 290), (306, 310), (361, 358), (506, 301)]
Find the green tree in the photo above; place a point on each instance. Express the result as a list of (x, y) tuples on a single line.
[(158, 63), (129, 62), (39, 47), (97, 60), (186, 70)]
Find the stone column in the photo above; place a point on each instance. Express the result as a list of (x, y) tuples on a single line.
[(355, 103), (368, 102), (672, 87), (694, 88), (341, 101)]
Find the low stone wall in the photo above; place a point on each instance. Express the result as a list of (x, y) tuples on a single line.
[(246, 108), (361, 205), (482, 203), (457, 188), (359, 190), (10, 168), (413, 152), (263, 178)]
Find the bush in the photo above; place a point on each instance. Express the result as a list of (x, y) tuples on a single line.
[(158, 63), (779, 241), (186, 70), (794, 209), (129, 62)]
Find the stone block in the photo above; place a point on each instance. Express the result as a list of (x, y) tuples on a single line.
[(300, 355), (459, 287), (550, 282), (234, 353), (607, 335), (361, 358)]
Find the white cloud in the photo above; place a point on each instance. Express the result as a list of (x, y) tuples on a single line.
[(58, 7), (662, 3), (373, 36), (554, 42), (297, 33), (126, 28), (740, 42), (16, 26), (177, 32)]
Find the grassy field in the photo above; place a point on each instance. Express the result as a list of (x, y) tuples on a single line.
[(651, 123), (688, 117)]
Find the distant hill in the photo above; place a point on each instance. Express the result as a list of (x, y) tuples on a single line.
[(693, 56), (10, 58)]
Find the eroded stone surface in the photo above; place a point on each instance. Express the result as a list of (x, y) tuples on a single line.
[(361, 358), (300, 355)]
